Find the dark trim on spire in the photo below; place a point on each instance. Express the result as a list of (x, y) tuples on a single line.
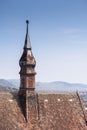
[(27, 22), (27, 44)]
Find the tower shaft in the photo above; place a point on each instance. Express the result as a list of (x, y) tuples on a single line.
[(27, 93)]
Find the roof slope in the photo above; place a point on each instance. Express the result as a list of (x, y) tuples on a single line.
[(55, 112), (11, 117), (61, 112)]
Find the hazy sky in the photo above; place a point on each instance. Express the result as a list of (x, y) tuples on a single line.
[(58, 34)]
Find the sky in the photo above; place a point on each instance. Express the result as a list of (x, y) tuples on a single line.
[(58, 34)]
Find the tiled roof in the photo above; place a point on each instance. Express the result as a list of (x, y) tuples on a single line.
[(60, 111)]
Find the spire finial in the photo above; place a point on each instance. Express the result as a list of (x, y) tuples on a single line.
[(27, 39), (27, 22)]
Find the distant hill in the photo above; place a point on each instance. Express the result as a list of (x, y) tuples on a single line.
[(8, 89), (60, 86), (15, 82), (6, 83), (53, 86), (45, 86), (7, 86)]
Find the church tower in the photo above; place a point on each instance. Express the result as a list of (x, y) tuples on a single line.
[(27, 94)]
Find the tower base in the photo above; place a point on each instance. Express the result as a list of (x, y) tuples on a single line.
[(28, 102)]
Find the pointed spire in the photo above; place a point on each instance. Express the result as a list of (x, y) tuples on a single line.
[(27, 38)]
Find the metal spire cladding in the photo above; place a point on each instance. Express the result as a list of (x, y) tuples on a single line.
[(27, 44), (27, 59)]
